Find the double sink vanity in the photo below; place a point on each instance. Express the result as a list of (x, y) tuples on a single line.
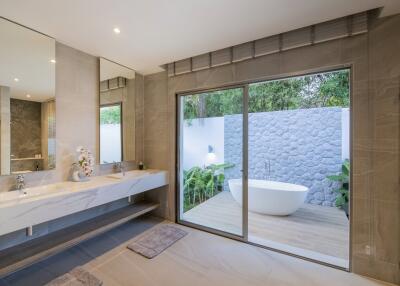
[(32, 206)]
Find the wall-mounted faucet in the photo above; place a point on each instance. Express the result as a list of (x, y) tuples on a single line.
[(119, 167), (20, 183), (267, 166)]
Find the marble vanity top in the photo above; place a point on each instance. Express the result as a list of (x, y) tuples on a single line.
[(48, 202)]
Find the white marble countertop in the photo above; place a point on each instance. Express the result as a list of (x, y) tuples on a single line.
[(48, 202)]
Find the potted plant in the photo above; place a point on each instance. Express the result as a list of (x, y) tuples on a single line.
[(342, 197)]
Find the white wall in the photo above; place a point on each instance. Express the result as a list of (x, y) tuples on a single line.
[(345, 133), (197, 135)]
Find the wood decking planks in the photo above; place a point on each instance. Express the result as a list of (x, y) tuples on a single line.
[(314, 228)]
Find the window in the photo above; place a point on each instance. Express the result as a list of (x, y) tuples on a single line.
[(110, 133)]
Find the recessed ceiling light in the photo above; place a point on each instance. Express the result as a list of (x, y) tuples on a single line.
[(53, 61), (28, 96), (16, 79), (117, 30)]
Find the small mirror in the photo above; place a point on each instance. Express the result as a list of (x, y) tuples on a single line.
[(27, 100), (117, 112)]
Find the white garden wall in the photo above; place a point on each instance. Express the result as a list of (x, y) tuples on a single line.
[(198, 134)]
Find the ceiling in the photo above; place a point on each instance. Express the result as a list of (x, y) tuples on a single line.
[(155, 32), (110, 70), (25, 63)]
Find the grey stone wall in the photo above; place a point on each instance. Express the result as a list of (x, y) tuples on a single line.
[(302, 146)]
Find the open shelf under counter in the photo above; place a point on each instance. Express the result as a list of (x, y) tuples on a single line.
[(35, 250)]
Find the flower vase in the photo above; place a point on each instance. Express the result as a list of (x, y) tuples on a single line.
[(75, 176), (83, 177)]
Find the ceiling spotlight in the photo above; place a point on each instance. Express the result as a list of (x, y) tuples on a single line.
[(53, 61), (28, 96), (117, 30), (16, 79)]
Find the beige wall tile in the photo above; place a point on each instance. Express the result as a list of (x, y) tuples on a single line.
[(385, 229), (139, 117), (325, 55), (384, 45), (370, 267), (362, 219), (77, 100)]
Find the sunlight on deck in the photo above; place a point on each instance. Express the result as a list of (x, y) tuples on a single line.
[(317, 232)]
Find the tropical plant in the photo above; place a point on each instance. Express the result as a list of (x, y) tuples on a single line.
[(200, 184), (342, 197)]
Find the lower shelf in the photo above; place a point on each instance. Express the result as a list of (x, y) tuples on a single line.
[(28, 253)]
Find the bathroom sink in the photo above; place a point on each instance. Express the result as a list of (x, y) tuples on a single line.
[(129, 174), (9, 196), (43, 190), (30, 192)]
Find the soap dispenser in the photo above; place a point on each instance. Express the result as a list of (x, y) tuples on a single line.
[(141, 165)]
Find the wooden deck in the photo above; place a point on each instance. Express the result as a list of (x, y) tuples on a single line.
[(317, 232)]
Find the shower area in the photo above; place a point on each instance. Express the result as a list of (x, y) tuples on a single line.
[(269, 163)]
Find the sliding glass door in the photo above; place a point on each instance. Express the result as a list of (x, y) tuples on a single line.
[(269, 163), (210, 184), (299, 162)]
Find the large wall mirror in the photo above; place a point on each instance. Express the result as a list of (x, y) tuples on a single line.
[(27, 100), (117, 113)]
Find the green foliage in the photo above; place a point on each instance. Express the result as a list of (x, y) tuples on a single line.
[(326, 89), (200, 184), (110, 114), (342, 198), (319, 90), (275, 95), (213, 104)]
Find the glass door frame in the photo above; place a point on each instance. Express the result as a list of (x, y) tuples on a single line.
[(179, 193), (245, 85)]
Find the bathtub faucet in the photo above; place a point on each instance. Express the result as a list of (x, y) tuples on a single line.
[(267, 165)]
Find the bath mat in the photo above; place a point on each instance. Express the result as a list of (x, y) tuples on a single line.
[(76, 277), (157, 240)]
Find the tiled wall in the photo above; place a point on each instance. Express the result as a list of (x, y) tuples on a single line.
[(157, 132), (375, 61), (139, 117)]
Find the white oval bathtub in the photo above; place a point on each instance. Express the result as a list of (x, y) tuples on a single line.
[(270, 197)]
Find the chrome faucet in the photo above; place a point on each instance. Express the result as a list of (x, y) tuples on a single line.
[(267, 165), (20, 179), (119, 166)]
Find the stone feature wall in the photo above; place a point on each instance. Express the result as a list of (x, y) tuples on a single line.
[(26, 136), (25, 128), (301, 146)]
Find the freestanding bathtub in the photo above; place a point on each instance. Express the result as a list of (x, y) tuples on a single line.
[(270, 197)]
